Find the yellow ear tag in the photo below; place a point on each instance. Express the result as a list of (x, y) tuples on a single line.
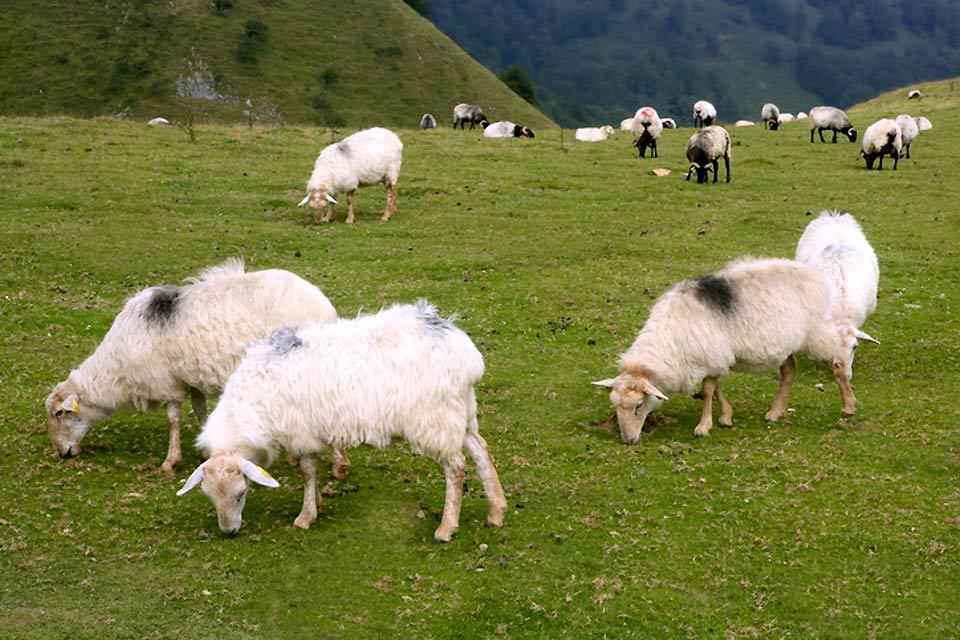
[(266, 473), (76, 407)]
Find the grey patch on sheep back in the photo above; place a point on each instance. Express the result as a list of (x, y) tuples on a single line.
[(432, 319), (163, 305), (284, 340), (344, 148), (716, 292)]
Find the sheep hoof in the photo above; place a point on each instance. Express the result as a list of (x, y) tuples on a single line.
[(304, 522), (726, 424), (701, 431), (340, 472), (168, 468), (443, 536), (773, 416), (494, 522)]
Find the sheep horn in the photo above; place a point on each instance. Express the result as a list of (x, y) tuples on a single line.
[(863, 335), (306, 198)]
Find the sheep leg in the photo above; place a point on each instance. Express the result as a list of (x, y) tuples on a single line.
[(846, 391), (341, 464), (199, 403), (896, 159), (726, 411), (450, 522), (820, 130), (173, 448), (788, 371), (350, 195), (309, 511), (706, 418), (654, 153), (908, 152), (477, 447), (834, 136), (716, 170), (391, 202), (811, 136), (726, 161)]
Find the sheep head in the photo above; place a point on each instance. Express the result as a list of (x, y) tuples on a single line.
[(633, 396), (67, 420), (851, 133), (317, 199), (224, 478), (850, 337)]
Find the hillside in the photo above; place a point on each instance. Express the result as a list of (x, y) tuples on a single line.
[(598, 60), (333, 63)]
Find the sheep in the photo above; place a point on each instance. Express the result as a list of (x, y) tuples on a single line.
[(646, 131), (835, 246), (159, 122), (882, 138), (910, 128), (704, 149), (831, 118), (403, 372), (914, 94), (428, 122), (786, 117), (169, 342), (626, 124), (593, 134), (771, 116), (668, 123), (744, 123), (753, 315), (463, 113), (801, 115), (505, 129), (368, 157), (704, 113)]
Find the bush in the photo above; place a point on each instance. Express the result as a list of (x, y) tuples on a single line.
[(253, 42)]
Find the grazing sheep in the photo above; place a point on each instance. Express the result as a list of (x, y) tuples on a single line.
[(910, 128), (463, 113), (704, 149), (626, 124), (835, 246), (428, 122), (647, 128), (704, 113), (668, 123), (882, 138), (404, 372), (505, 129), (368, 157), (801, 115), (914, 94), (771, 116), (753, 315), (158, 122), (743, 123), (169, 342), (831, 118), (593, 134), (786, 117)]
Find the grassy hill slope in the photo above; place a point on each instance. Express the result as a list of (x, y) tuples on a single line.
[(335, 63), (817, 527)]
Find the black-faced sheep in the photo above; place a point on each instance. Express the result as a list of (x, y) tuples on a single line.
[(647, 129), (882, 138), (704, 149), (704, 113), (428, 122), (831, 118), (771, 116), (464, 113)]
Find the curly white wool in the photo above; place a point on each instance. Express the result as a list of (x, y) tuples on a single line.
[(593, 134), (882, 138)]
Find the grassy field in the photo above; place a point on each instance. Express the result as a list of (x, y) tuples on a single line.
[(816, 527)]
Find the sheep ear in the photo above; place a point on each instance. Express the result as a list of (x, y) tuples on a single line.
[(258, 475), (330, 198), (193, 480), (863, 335), (651, 390), (70, 404), (608, 383)]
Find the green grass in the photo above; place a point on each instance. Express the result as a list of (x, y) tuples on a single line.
[(815, 527), (331, 62)]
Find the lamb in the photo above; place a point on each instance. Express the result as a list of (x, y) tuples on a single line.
[(704, 149), (831, 118), (882, 138), (786, 117), (835, 246), (753, 315), (169, 342), (593, 134), (368, 157), (704, 113), (463, 113), (668, 123), (626, 124), (771, 116), (910, 128), (801, 115), (505, 129), (404, 372), (646, 131), (428, 122), (914, 94)]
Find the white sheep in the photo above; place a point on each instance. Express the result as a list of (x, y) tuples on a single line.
[(463, 113), (647, 129), (744, 123), (753, 315), (835, 246), (786, 117), (404, 372), (831, 118), (626, 124), (704, 113), (801, 115), (668, 123), (910, 128), (505, 129), (428, 122), (704, 150), (593, 134), (770, 113), (159, 122), (914, 94), (368, 157), (169, 342), (882, 138)]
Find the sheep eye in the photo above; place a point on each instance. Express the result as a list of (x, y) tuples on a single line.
[(58, 413), (636, 409), (240, 495)]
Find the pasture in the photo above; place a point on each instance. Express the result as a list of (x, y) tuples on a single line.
[(815, 527)]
